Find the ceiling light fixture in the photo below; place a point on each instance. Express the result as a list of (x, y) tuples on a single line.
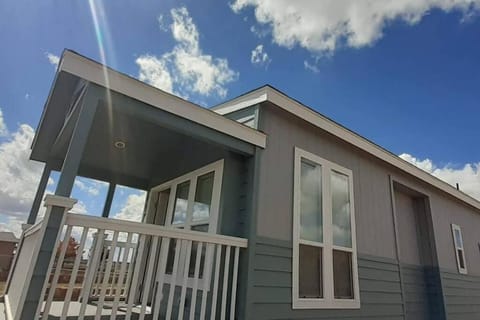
[(119, 144)]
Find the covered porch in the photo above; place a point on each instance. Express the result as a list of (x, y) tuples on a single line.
[(183, 259)]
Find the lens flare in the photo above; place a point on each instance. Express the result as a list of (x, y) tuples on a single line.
[(105, 47)]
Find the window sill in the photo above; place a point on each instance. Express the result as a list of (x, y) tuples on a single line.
[(324, 304)]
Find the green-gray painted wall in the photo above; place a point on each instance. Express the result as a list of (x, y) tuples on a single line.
[(416, 290), (380, 291)]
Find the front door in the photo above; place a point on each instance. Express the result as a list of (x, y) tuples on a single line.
[(189, 202)]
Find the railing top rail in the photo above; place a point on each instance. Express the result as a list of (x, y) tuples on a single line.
[(31, 230), (82, 220)]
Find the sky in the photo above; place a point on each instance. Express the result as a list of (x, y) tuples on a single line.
[(404, 74)]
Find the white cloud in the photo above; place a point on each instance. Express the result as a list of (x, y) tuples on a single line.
[(468, 176), (133, 207), (260, 57), (259, 32), (323, 26), (3, 125), (19, 178), (154, 71), (79, 207), (90, 186), (185, 69), (311, 66), (53, 59)]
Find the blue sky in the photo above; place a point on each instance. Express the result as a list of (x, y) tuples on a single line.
[(405, 76)]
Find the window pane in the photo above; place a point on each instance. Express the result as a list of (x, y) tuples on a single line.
[(311, 202), (200, 227), (161, 209), (310, 272), (203, 197), (458, 238), (342, 275), (181, 202), (461, 259), (342, 234)]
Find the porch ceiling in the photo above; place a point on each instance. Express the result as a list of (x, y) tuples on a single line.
[(149, 148)]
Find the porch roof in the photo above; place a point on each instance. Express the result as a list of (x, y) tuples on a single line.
[(158, 128), (74, 67)]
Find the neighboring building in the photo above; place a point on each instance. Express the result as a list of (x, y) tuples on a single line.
[(259, 208), (8, 244)]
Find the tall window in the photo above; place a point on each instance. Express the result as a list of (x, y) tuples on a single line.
[(324, 248), (459, 250)]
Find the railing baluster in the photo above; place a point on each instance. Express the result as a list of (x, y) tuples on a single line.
[(100, 273), (185, 279), (92, 271), (132, 254), (226, 273), (121, 277), (133, 288), (234, 284), (148, 278), (106, 276), (58, 270), (196, 275), (174, 278), (160, 277), (215, 282), (73, 275), (210, 250)]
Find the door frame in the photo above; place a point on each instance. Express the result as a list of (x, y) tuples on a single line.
[(192, 176)]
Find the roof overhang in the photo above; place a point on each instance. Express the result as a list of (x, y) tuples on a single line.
[(267, 93), (98, 73), (74, 68)]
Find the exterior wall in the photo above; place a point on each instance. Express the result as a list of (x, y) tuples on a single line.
[(462, 295), (380, 291), (371, 182), (418, 286)]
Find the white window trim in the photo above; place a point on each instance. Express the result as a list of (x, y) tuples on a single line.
[(458, 247), (328, 301)]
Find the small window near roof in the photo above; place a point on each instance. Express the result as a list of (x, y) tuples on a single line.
[(459, 249)]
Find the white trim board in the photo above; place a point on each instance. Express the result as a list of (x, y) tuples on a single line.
[(95, 72), (294, 107)]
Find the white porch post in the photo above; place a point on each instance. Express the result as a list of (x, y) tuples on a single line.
[(57, 207), (33, 261)]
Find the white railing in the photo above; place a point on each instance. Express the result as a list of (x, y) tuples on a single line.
[(27, 252), (122, 269)]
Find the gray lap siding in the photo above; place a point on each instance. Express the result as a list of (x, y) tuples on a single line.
[(379, 280)]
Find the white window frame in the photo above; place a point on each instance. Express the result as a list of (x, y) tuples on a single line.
[(461, 247), (328, 301)]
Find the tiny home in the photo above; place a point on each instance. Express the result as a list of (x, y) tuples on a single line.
[(258, 208)]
